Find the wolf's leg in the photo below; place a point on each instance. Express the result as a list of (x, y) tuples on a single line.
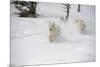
[(50, 38)]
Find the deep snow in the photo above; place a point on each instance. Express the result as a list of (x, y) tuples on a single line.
[(29, 36)]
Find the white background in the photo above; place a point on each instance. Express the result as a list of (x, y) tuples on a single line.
[(5, 34)]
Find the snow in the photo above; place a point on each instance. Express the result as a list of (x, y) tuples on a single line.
[(29, 36)]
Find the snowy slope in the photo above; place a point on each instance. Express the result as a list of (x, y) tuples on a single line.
[(29, 37)]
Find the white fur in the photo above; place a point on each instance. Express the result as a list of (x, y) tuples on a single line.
[(80, 24), (54, 32)]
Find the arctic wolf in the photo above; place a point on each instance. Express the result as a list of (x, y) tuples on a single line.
[(54, 31), (80, 24)]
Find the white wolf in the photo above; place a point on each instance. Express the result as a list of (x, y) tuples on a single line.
[(54, 31), (80, 24)]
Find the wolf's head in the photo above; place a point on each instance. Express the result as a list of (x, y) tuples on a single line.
[(51, 26)]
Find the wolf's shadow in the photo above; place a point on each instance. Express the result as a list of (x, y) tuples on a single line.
[(60, 39)]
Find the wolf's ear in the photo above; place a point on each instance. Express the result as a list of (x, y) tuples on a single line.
[(54, 23), (49, 23)]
